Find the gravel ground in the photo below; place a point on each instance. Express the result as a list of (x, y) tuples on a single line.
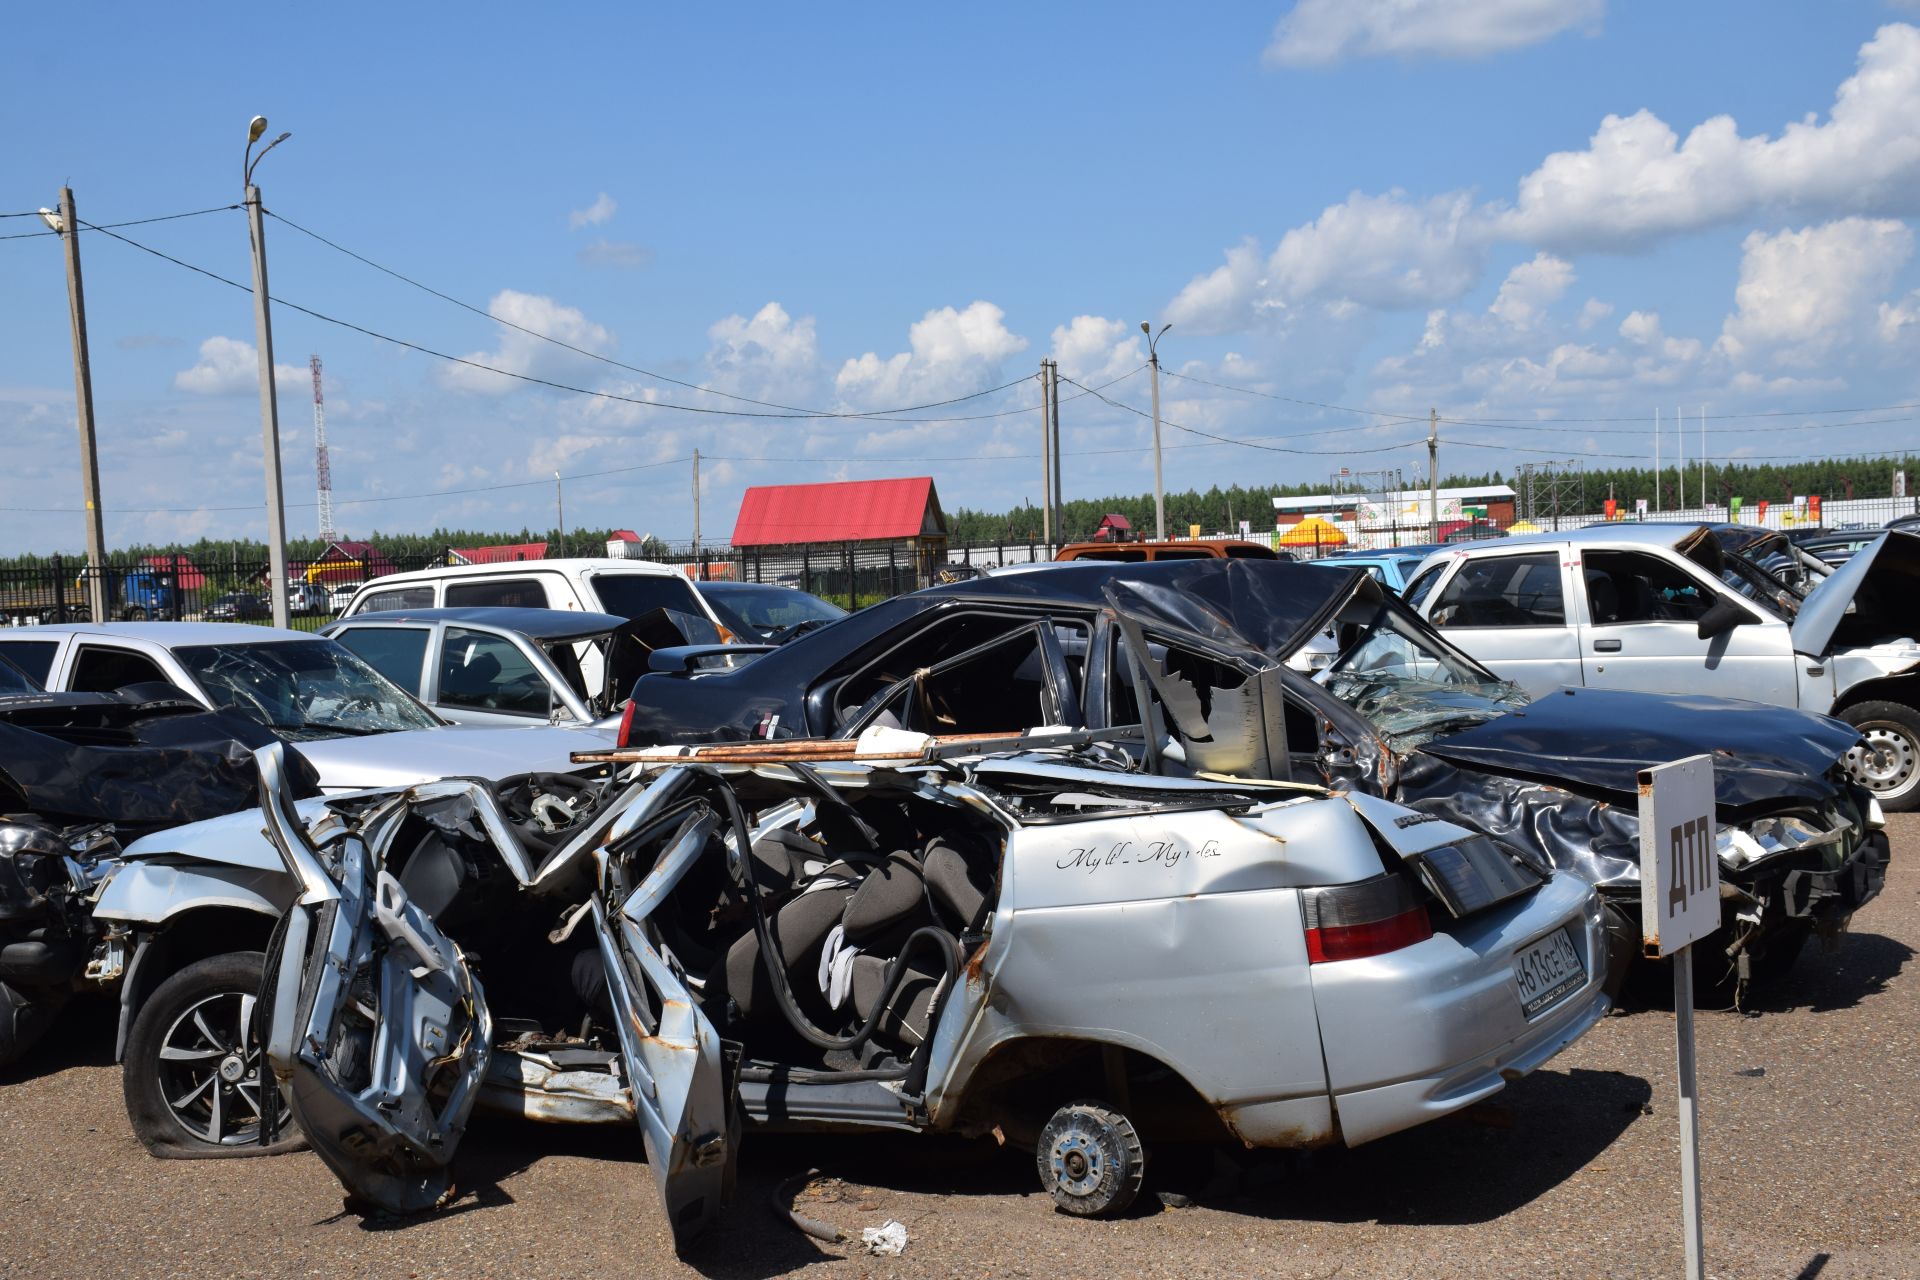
[(1809, 1162)]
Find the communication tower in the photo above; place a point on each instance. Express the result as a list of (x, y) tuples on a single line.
[(322, 469)]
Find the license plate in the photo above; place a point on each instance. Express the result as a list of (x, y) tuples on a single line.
[(1548, 971)]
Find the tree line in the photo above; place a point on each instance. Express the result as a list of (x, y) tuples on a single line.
[(1214, 509)]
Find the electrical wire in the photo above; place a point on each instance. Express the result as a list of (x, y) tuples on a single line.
[(1314, 404), (135, 222), (1549, 423), (789, 410), (569, 387), (1248, 443)]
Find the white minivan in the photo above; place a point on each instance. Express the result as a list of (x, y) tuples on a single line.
[(1666, 609), (629, 588)]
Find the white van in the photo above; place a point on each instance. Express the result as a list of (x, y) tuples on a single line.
[(628, 588)]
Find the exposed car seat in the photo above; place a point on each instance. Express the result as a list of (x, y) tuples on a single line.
[(845, 923)]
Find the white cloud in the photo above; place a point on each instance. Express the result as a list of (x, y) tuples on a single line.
[(952, 352), (1320, 32), (1637, 180), (1593, 312), (1804, 294), (1531, 288), (771, 354), (1095, 349), (1641, 328), (614, 255), (593, 215), (229, 366), (1386, 252), (523, 353)]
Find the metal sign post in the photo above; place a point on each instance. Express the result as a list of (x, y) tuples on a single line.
[(1679, 905)]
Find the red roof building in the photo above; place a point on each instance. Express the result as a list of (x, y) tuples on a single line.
[(1114, 527), (849, 540), (505, 553), (775, 515)]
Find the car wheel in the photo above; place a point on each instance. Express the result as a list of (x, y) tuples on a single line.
[(1887, 761), (136, 614), (1090, 1160), (194, 1070)]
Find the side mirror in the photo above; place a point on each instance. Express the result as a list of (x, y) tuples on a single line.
[(1721, 617)]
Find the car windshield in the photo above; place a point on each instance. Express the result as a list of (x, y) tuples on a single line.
[(303, 689), (770, 612), (1761, 587), (1408, 686)]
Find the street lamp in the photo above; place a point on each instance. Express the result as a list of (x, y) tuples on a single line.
[(1159, 493), (269, 403)]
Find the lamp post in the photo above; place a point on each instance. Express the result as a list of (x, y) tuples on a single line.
[(269, 405), (1159, 492)]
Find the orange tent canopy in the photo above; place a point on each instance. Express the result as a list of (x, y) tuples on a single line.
[(1313, 532)]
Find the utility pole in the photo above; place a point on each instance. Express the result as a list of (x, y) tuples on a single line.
[(560, 511), (69, 229), (1053, 410), (1656, 460), (1046, 463), (1159, 492), (1433, 474), (702, 570), (269, 400)]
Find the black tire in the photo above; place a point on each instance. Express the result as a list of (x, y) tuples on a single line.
[(1090, 1160), (135, 614), (199, 1013), (1887, 763)]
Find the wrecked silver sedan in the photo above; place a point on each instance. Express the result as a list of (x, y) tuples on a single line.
[(905, 934)]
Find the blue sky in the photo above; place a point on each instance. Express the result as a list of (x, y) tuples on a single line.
[(1544, 210)]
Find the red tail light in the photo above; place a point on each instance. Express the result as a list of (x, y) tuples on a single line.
[(626, 725), (1371, 918)]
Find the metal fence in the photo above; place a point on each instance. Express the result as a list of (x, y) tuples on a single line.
[(851, 574)]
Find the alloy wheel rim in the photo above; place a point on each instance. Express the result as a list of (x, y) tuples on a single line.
[(210, 1074)]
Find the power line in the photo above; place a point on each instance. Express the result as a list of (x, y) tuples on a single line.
[(1543, 424), (789, 410), (1314, 404), (136, 222), (1249, 443), (568, 387)]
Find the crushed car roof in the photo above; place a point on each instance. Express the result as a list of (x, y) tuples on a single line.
[(1272, 603)]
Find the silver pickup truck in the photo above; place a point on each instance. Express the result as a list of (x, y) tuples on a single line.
[(1667, 609)]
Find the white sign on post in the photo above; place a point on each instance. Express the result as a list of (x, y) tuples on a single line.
[(1679, 865), (1679, 905)]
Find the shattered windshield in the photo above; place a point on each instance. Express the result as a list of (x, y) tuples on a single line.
[(1407, 686), (303, 689), (1761, 587)]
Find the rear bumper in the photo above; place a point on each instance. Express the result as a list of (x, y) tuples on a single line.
[(1439, 1025), (1366, 1114)]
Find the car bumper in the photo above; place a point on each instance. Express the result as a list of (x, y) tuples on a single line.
[(1438, 1026)]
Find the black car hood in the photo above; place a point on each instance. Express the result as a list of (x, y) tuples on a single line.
[(1600, 739), (141, 759)]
